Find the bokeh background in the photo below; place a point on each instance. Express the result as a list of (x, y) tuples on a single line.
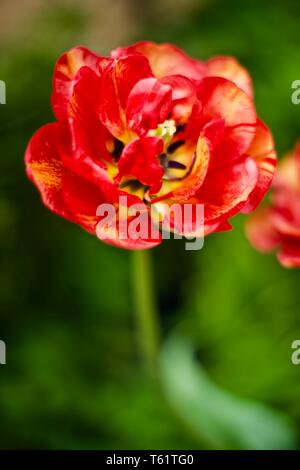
[(74, 377)]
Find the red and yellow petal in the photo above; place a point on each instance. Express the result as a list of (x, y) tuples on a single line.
[(184, 219), (261, 232), (288, 175), (165, 59), (140, 160), (289, 254), (222, 193), (223, 226), (65, 72), (286, 203), (117, 81), (129, 227), (226, 190), (228, 67), (89, 136), (183, 184), (63, 192), (149, 104), (221, 98), (263, 152), (194, 180), (184, 95)]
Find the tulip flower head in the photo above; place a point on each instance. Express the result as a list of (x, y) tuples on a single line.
[(277, 226), (154, 127)]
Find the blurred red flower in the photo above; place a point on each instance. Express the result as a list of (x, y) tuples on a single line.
[(153, 124), (278, 224)]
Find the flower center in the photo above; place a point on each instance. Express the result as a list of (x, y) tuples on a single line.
[(170, 158), (166, 130), (176, 159)]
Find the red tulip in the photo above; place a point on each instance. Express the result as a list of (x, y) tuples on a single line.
[(277, 226), (156, 126)]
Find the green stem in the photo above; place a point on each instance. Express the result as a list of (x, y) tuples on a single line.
[(145, 307)]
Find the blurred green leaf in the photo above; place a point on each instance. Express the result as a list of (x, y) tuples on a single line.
[(220, 419)]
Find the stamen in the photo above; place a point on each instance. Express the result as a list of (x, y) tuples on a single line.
[(163, 158), (133, 187), (180, 128), (173, 147), (176, 165), (134, 184), (118, 148), (166, 130)]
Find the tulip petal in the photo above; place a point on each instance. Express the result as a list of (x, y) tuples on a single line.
[(62, 191), (222, 99), (183, 219), (140, 160), (116, 231), (165, 59), (228, 67), (288, 175), (149, 104), (117, 81), (289, 255), (183, 97), (89, 136), (223, 193), (223, 226), (286, 203), (193, 181), (261, 232), (65, 71), (225, 190), (278, 225), (196, 160), (262, 150)]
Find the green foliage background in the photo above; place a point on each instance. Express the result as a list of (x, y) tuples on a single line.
[(74, 378)]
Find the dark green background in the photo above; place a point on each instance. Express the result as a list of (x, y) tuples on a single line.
[(74, 378)]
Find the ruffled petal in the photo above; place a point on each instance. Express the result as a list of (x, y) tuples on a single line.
[(149, 104), (117, 81), (223, 226), (129, 226), (183, 184), (289, 254), (261, 232), (222, 99), (183, 97), (225, 191), (263, 152), (140, 160), (194, 180), (89, 136), (222, 193), (65, 72), (184, 219), (187, 219), (165, 59), (63, 192), (288, 175), (286, 203), (228, 67)]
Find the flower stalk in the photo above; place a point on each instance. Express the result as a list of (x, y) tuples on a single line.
[(148, 328)]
